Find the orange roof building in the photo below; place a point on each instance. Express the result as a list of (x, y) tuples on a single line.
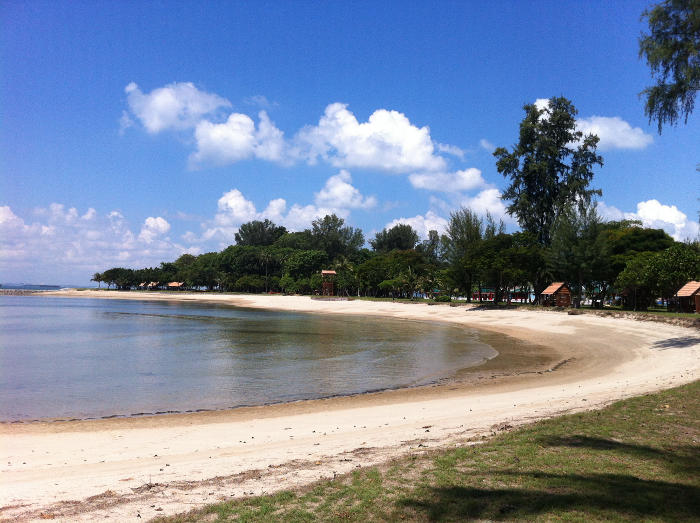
[(689, 297), (557, 294)]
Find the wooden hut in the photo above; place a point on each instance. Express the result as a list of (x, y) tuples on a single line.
[(688, 297), (557, 294), (176, 285), (328, 278)]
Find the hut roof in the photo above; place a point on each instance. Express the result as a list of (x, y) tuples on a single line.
[(175, 284), (553, 288), (328, 272), (689, 289)]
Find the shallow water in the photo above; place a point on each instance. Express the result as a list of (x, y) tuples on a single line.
[(81, 358)]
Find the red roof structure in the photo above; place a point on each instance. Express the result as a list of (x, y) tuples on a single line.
[(689, 289), (557, 294), (553, 288), (688, 297)]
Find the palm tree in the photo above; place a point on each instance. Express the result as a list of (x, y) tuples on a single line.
[(98, 278), (266, 257)]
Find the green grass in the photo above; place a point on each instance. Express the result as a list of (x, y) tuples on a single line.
[(637, 460)]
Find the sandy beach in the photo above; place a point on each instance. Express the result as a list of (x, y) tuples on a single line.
[(132, 469)]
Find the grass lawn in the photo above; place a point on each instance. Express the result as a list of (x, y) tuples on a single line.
[(637, 460)]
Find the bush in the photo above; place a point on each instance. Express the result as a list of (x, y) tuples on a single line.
[(443, 298)]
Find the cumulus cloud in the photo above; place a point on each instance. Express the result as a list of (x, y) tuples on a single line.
[(337, 196), (387, 141), (457, 181), (175, 106), (488, 200), (339, 192), (653, 214), (152, 228), (237, 139), (542, 103), (61, 245), (423, 223), (613, 131)]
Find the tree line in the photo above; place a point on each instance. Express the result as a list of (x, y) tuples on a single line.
[(598, 259), (562, 238)]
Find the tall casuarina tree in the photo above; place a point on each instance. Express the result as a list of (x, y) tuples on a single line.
[(550, 168)]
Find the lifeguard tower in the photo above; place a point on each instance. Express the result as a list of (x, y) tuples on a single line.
[(328, 278)]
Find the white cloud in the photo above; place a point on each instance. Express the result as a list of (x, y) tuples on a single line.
[(338, 192), (488, 200), (653, 214), (224, 143), (423, 224), (237, 139), (542, 103), (387, 141), (8, 219), (175, 106), (64, 246), (488, 146), (614, 133), (234, 208), (451, 149), (457, 181), (338, 196), (152, 228), (260, 101)]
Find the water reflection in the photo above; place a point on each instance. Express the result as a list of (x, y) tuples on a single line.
[(86, 358)]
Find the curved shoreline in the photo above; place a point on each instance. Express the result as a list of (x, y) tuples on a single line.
[(580, 362)]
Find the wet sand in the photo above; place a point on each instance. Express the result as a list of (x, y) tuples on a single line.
[(548, 363)]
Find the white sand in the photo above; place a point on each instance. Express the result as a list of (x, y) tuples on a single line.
[(123, 468)]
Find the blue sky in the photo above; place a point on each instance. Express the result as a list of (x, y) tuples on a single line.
[(133, 132)]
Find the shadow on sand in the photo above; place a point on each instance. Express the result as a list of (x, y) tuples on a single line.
[(673, 343)]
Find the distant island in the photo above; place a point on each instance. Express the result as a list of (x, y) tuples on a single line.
[(29, 287)]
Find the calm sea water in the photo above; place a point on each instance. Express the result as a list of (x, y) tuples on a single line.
[(81, 358)]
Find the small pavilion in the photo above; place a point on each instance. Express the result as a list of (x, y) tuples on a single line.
[(688, 297), (328, 278), (557, 294)]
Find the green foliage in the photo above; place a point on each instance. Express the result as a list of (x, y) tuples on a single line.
[(433, 248), (579, 253), (672, 51), (464, 233), (658, 274), (250, 283), (674, 267), (400, 237), (304, 263), (506, 261), (301, 241), (287, 284), (257, 233), (635, 283), (546, 170), (315, 282), (443, 298), (627, 238), (328, 234)]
